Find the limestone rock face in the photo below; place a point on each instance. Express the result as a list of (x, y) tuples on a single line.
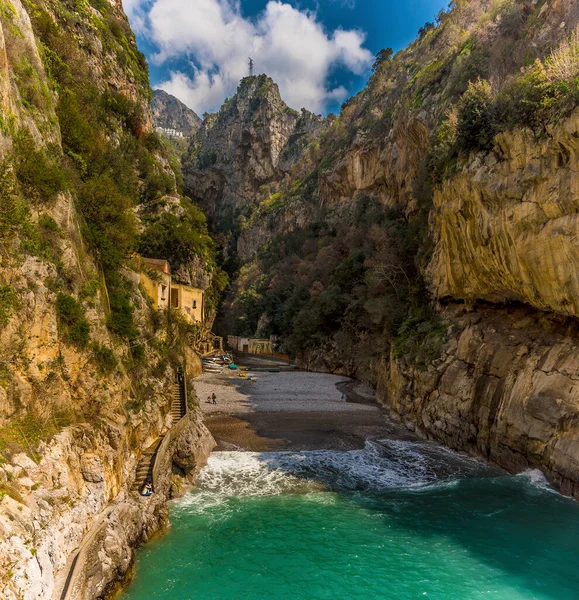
[(171, 113), (110, 553), (506, 388), (81, 487), (73, 424), (383, 168), (507, 226), (193, 447), (90, 467), (252, 142)]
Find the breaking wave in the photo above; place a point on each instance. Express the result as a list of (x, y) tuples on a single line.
[(537, 479), (381, 465)]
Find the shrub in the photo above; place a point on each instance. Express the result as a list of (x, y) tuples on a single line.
[(427, 27), (476, 126), (523, 101), (7, 303), (39, 176), (178, 240), (420, 339), (105, 358), (120, 320), (130, 112), (72, 320), (110, 224), (89, 289), (79, 137), (25, 433), (444, 147), (49, 233), (13, 211), (33, 91), (382, 57), (47, 224), (563, 62)]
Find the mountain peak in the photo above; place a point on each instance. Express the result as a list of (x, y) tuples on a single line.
[(171, 115)]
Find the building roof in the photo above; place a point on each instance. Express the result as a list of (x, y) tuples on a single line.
[(159, 264)]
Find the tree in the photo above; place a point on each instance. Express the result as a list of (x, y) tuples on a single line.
[(177, 239), (428, 26), (383, 56), (476, 124)]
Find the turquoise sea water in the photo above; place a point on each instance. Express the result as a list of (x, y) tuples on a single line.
[(397, 520)]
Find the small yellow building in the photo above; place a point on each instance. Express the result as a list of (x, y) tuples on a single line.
[(189, 301), (157, 282), (250, 345)]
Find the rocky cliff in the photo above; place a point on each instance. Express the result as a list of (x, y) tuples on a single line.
[(86, 366), (426, 241), (171, 113), (244, 151)]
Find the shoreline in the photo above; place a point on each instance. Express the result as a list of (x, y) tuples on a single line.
[(293, 411)]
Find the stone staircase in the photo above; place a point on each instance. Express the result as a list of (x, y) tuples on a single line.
[(146, 464), (178, 408), (178, 411)]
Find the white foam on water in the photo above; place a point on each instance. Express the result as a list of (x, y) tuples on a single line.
[(381, 465), (537, 479)]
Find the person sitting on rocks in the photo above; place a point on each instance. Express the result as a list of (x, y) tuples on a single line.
[(214, 398), (147, 488)]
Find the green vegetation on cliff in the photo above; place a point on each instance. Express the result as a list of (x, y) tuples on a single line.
[(110, 163), (84, 185), (335, 254)]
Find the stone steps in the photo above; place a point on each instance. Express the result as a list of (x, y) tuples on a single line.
[(146, 463)]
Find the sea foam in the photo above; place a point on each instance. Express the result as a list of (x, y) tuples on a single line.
[(380, 465)]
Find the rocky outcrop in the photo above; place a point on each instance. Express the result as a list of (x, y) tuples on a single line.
[(80, 398), (170, 113), (78, 496), (108, 550), (505, 388), (253, 141), (507, 226)]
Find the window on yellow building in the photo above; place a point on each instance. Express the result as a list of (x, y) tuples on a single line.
[(194, 303)]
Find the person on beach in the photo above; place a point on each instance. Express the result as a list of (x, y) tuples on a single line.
[(209, 400), (214, 397)]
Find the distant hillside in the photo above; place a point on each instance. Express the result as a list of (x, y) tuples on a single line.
[(169, 113)]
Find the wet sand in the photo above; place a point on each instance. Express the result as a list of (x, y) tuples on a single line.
[(291, 411)]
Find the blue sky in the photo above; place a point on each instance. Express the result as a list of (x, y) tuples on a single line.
[(319, 52)]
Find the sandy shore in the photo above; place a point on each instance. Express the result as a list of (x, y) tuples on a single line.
[(291, 411)]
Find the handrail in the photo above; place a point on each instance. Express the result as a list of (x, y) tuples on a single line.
[(185, 389)]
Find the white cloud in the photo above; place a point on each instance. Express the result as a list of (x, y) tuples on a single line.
[(197, 91), (289, 45), (137, 12)]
